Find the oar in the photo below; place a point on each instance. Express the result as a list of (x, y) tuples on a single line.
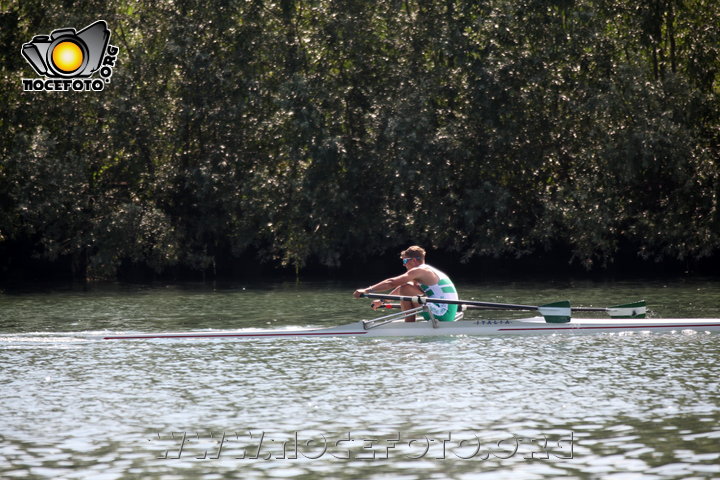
[(630, 310), (557, 312), (557, 309), (419, 299)]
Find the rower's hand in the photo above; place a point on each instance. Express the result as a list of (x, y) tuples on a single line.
[(359, 292), (376, 304)]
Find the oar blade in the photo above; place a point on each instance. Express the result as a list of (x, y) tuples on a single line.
[(557, 312), (629, 310)]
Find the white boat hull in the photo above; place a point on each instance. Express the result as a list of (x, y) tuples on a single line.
[(527, 326)]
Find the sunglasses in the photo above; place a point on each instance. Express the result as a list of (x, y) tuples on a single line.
[(406, 260)]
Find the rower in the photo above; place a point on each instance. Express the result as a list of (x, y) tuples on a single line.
[(419, 279)]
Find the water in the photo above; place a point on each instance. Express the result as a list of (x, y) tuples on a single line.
[(601, 406)]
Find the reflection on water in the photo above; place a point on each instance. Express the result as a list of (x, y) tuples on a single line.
[(631, 405)]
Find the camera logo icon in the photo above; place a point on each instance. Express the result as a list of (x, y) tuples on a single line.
[(68, 58)]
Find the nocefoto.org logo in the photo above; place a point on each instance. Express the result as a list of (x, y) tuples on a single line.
[(68, 59)]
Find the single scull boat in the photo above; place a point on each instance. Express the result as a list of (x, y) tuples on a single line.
[(554, 318)]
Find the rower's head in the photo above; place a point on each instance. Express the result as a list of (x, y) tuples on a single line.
[(413, 256)]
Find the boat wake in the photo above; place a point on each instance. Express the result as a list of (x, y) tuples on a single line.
[(47, 339)]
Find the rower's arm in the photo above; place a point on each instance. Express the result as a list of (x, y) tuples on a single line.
[(386, 284), (415, 275), (390, 283)]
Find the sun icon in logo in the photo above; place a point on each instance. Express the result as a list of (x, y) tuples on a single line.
[(67, 56)]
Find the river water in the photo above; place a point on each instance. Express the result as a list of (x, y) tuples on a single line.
[(616, 406)]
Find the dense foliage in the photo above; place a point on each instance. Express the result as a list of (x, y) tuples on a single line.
[(299, 130)]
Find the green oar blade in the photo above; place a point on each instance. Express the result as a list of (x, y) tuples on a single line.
[(629, 310), (557, 312)]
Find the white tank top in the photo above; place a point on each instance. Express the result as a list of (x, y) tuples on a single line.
[(443, 289)]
